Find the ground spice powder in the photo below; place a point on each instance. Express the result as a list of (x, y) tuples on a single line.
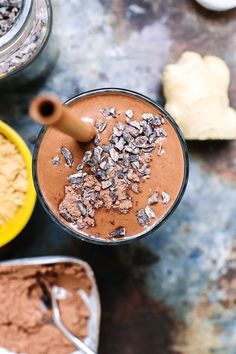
[(13, 180)]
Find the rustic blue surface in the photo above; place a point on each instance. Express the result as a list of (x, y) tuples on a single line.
[(174, 292)]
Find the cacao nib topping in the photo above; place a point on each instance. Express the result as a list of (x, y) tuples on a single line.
[(149, 212), (110, 174), (64, 213), (120, 144), (119, 232), (91, 163), (67, 155), (97, 152), (56, 160), (101, 125), (113, 196), (157, 121), (165, 197), (106, 148), (119, 126), (82, 209), (148, 116), (134, 132), (101, 174), (160, 151), (135, 188), (103, 163), (80, 166), (108, 112), (106, 184), (117, 132), (152, 137), (114, 154), (161, 132), (134, 124), (153, 199), (142, 217), (148, 130), (129, 113), (126, 135), (97, 140), (87, 156), (73, 179)]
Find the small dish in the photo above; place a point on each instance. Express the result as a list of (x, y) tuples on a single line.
[(217, 5), (10, 229)]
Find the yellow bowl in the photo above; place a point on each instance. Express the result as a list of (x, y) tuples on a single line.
[(10, 229)]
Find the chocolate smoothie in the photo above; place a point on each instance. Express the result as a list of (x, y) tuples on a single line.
[(124, 182), (26, 324)]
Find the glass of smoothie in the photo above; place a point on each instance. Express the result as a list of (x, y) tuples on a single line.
[(126, 182)]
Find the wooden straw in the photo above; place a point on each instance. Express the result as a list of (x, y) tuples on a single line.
[(48, 110)]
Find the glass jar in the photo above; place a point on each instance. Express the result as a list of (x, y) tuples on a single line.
[(25, 53)]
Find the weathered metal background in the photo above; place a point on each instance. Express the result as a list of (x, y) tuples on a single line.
[(174, 292)]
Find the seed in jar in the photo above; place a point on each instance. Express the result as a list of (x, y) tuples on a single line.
[(9, 11)]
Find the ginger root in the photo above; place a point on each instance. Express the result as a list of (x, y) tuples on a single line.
[(196, 92)]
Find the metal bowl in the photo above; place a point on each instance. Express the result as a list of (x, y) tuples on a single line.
[(92, 301)]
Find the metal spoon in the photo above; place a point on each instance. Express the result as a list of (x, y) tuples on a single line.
[(55, 294)]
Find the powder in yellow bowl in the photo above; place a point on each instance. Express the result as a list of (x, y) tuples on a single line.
[(13, 180)]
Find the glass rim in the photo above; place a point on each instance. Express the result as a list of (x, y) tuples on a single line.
[(126, 239)]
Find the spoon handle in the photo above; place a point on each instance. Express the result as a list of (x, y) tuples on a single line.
[(58, 322)]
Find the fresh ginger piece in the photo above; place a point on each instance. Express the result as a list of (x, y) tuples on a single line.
[(196, 92)]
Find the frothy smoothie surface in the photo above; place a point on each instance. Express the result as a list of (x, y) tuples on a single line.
[(125, 181)]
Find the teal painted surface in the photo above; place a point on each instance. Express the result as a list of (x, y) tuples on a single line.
[(182, 279)]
